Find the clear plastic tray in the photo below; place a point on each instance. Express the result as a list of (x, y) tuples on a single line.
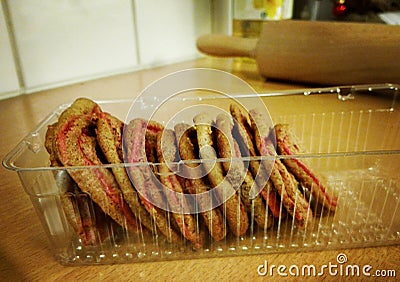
[(351, 134)]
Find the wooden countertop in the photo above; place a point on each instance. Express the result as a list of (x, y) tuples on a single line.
[(24, 251)]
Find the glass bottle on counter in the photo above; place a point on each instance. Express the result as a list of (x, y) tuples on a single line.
[(249, 15)]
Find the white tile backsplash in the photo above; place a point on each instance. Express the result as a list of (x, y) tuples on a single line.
[(8, 75), (167, 29), (66, 41)]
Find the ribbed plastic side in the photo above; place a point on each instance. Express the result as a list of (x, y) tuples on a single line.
[(367, 215)]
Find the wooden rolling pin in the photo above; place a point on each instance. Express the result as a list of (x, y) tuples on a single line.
[(326, 53)]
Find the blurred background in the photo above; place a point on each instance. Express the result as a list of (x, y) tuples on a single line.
[(46, 44)]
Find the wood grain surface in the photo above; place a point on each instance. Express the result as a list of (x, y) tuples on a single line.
[(24, 250)]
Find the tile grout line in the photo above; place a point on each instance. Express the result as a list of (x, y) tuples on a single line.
[(14, 47), (136, 32)]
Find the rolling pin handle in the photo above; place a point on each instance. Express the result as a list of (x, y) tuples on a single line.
[(220, 45)]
